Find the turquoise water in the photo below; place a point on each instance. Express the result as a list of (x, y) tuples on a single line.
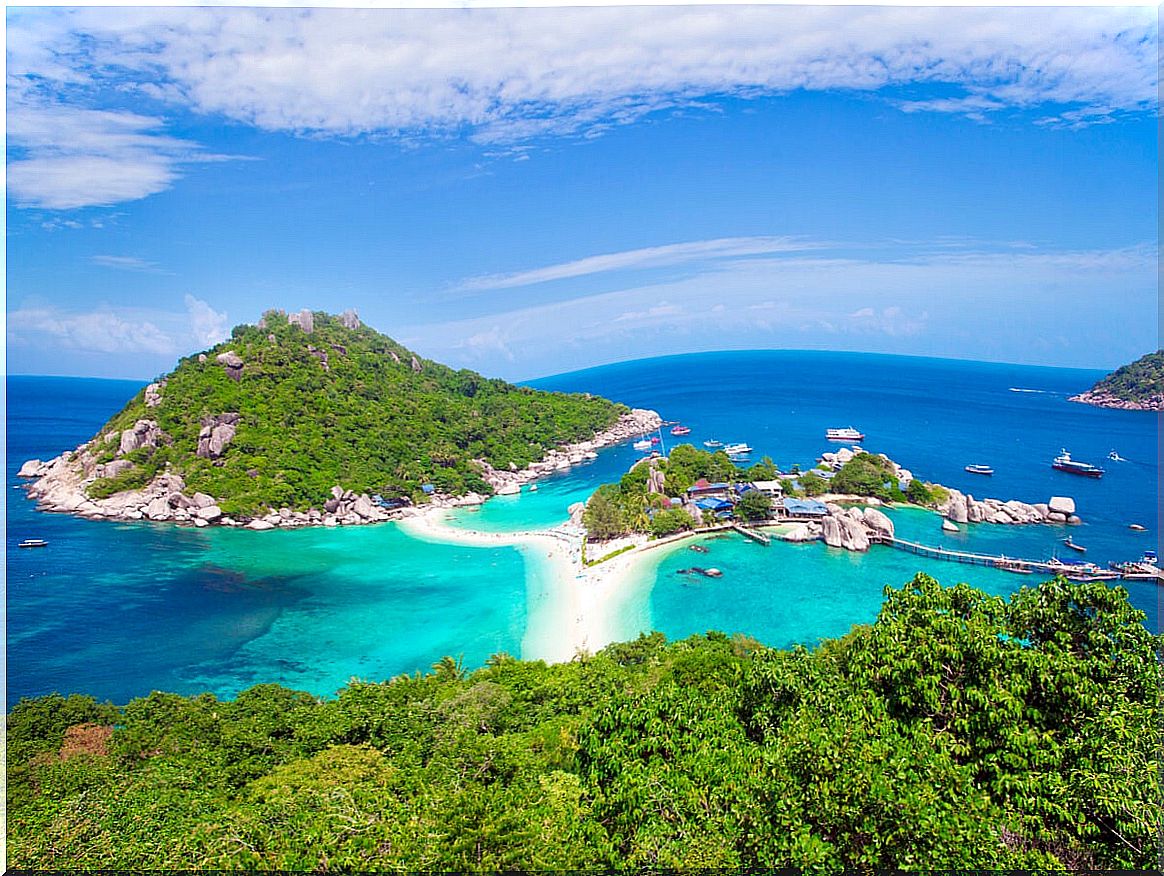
[(118, 610)]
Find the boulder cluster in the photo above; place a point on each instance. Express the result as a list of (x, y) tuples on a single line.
[(961, 508), (854, 529), (1103, 399)]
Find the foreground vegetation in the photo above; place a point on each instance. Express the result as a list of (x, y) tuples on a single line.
[(958, 731), (346, 406)]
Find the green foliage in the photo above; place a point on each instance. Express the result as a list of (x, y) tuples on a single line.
[(367, 421), (959, 731), (754, 505), (603, 517), (919, 492), (1139, 381), (867, 474), (812, 484), (669, 521)]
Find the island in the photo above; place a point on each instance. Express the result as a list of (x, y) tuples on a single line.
[(1138, 386), (313, 419)]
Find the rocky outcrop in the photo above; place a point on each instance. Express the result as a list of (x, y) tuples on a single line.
[(215, 434), (145, 433), (415, 365), (846, 531), (305, 319), (153, 394), (30, 469), (349, 319), (321, 355), (962, 508), (1102, 399), (878, 522), (232, 362), (801, 532)]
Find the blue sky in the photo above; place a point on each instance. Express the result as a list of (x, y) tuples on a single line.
[(529, 191)]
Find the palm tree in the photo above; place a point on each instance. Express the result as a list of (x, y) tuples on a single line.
[(448, 669)]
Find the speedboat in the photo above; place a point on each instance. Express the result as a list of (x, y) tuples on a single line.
[(33, 542), (980, 469), (711, 442), (645, 444), (847, 434), (681, 430), (1064, 462), (1115, 457)]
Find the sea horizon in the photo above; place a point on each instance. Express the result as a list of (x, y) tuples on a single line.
[(1097, 370)]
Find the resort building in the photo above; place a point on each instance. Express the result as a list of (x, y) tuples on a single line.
[(805, 508)]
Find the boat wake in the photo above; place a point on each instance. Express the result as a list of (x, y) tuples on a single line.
[(1020, 389)]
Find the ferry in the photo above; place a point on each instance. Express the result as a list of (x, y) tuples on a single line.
[(711, 442), (740, 449), (33, 542), (848, 434), (1065, 463), (645, 444), (980, 469), (681, 430)]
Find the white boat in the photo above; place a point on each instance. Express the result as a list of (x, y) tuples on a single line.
[(645, 444), (739, 449), (846, 434), (711, 442), (980, 469), (1115, 457), (33, 543)]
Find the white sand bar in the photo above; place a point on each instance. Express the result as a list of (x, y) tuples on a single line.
[(573, 608)]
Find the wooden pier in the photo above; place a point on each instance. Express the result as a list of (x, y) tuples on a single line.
[(1005, 563), (753, 535)]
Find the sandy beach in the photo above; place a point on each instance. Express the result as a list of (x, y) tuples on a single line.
[(572, 608)]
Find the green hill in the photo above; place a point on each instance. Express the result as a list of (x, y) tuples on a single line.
[(1138, 386), (284, 410), (960, 731)]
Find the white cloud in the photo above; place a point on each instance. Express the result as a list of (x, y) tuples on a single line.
[(647, 257), (102, 331), (126, 263), (507, 75), (931, 302), (64, 157), (207, 326), (119, 330)]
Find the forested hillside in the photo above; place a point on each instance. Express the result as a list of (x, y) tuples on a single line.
[(1137, 386), (958, 731), (282, 411)]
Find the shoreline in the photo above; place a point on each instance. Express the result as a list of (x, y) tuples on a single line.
[(60, 485)]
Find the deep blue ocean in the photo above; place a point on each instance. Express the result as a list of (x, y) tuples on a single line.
[(118, 610)]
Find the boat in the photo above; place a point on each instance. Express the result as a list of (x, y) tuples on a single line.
[(711, 442), (846, 434), (33, 543), (681, 430), (1063, 462), (1135, 527), (642, 445), (980, 469), (739, 449), (1115, 457), (1075, 547)]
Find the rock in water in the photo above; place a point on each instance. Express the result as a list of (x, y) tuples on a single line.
[(29, 469), (947, 526), (878, 522), (1063, 504)]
